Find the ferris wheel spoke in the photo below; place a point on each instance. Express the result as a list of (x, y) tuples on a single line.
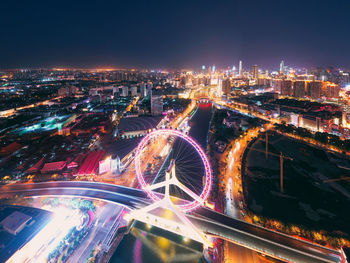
[(186, 180), (156, 185), (189, 192)]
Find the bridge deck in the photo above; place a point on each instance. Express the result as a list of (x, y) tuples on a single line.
[(254, 237)]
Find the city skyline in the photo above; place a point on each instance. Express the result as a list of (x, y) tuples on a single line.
[(181, 35)]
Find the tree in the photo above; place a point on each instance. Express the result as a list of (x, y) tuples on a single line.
[(321, 137)]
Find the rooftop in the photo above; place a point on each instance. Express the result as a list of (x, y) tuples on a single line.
[(10, 243), (15, 222)]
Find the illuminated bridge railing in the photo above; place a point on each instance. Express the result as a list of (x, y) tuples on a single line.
[(301, 252)]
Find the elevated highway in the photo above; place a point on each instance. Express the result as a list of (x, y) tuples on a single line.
[(259, 239)]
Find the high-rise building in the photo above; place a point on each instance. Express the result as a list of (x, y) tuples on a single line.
[(226, 87), (156, 105), (219, 88), (286, 88), (276, 85), (299, 89), (143, 90), (255, 72), (332, 90), (282, 67), (314, 89), (149, 90), (240, 73), (125, 91), (133, 91)]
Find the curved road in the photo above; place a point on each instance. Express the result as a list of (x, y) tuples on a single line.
[(239, 232)]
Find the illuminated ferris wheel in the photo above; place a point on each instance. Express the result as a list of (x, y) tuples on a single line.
[(170, 164)]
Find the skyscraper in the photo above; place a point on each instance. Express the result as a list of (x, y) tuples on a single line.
[(240, 68), (255, 72), (143, 90), (226, 87), (233, 73), (282, 67), (149, 90)]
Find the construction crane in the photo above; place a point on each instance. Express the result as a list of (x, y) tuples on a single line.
[(282, 157), (342, 178)]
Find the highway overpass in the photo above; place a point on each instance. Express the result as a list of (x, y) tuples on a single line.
[(218, 225)]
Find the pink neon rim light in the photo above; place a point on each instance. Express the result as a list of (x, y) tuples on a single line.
[(187, 207)]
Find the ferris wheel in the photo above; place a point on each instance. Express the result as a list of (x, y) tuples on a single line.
[(181, 173)]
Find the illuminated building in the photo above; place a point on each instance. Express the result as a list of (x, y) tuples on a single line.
[(264, 81), (219, 88), (156, 105), (311, 123), (240, 72), (314, 89), (344, 119), (53, 167), (282, 67), (233, 71), (226, 87), (332, 90), (125, 91), (213, 81), (255, 72), (276, 85), (149, 89), (143, 90), (110, 165), (286, 88), (67, 91), (133, 91), (299, 89)]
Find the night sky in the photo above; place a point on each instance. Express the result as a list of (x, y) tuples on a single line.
[(174, 33)]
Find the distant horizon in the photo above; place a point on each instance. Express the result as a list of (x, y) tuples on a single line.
[(168, 68)]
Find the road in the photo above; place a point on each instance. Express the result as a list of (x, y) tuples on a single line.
[(209, 221), (234, 197), (105, 218)]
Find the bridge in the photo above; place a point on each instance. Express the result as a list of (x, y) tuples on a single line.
[(212, 223), (204, 100)]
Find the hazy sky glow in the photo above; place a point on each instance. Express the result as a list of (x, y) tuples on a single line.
[(181, 33)]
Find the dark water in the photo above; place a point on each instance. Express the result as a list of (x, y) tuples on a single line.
[(142, 247), (200, 124), (188, 164)]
